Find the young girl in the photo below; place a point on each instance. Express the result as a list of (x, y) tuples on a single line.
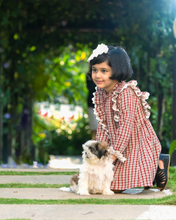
[(122, 114)]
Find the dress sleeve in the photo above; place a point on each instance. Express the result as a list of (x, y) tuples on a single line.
[(101, 134), (127, 104)]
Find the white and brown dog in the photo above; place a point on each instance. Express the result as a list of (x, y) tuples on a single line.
[(96, 173)]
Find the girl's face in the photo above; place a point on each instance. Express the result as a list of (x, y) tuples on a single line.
[(100, 75)]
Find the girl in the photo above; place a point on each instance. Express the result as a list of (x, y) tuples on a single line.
[(122, 114)]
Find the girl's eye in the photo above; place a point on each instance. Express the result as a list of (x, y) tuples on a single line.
[(104, 71), (94, 70)]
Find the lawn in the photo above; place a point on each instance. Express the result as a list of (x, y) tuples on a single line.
[(26, 173)]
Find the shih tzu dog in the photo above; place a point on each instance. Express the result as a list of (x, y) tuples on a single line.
[(96, 173)]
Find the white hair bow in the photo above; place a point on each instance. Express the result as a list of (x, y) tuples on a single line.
[(101, 48)]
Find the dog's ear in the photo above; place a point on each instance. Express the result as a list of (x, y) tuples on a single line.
[(104, 144), (96, 146)]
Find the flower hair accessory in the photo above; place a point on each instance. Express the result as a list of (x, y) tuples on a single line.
[(101, 48)]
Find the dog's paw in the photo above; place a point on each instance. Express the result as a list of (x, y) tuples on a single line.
[(83, 193), (108, 192)]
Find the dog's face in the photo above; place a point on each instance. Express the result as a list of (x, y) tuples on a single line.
[(95, 151)]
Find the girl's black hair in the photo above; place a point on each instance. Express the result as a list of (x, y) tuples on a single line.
[(118, 59)]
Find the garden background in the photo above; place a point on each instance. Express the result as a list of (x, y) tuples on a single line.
[(44, 46)]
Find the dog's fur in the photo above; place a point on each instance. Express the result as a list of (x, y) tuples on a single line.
[(96, 173)]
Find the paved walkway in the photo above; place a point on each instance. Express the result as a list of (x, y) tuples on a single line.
[(55, 193), (48, 179), (76, 212), (87, 212)]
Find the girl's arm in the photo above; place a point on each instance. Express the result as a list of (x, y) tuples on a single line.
[(127, 104)]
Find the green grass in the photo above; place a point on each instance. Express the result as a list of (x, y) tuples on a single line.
[(29, 185), (168, 200), (11, 173)]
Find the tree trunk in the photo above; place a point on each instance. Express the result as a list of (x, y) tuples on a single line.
[(148, 69), (174, 95), (174, 104), (26, 124), (161, 110), (9, 140)]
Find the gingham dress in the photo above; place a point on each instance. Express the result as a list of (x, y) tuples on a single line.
[(122, 116)]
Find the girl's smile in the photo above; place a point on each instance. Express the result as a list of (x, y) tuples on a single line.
[(99, 82), (100, 75)]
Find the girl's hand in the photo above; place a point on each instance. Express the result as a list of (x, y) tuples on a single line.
[(113, 158)]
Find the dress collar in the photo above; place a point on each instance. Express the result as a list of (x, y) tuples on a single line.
[(117, 86)]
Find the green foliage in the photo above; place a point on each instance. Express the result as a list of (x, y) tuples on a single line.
[(54, 136), (42, 56), (68, 75), (172, 147), (67, 139)]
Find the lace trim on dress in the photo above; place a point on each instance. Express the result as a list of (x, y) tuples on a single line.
[(142, 95), (99, 108), (117, 154)]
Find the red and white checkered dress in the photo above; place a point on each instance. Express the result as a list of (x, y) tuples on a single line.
[(123, 122)]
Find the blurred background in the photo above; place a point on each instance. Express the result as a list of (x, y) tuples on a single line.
[(44, 46)]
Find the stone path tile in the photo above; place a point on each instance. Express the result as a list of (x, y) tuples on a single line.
[(55, 193), (87, 212), (48, 179)]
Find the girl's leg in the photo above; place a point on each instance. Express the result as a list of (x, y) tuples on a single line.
[(161, 164)]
